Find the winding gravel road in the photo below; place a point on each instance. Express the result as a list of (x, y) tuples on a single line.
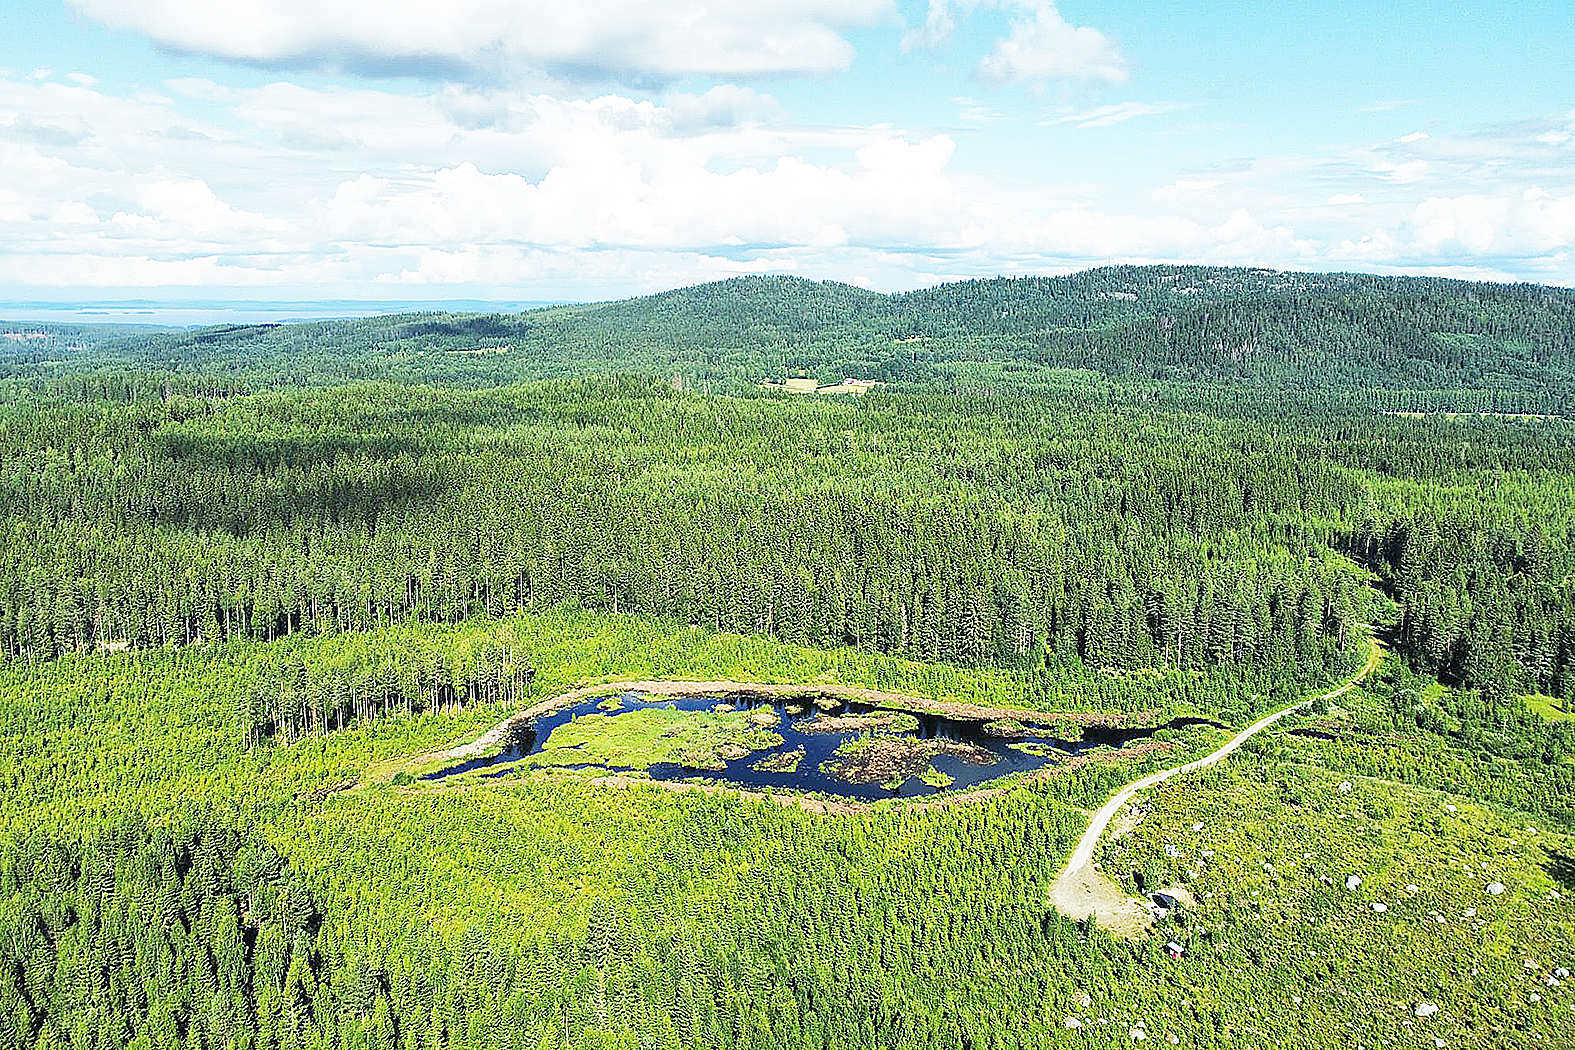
[(1080, 891)]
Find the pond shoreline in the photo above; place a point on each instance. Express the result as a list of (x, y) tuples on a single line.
[(831, 807), (495, 736)]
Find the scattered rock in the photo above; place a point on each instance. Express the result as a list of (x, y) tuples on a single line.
[(1171, 851), (1469, 913), (1449, 808), (1345, 785), (1413, 889), (1495, 888), (1198, 826), (1353, 882), (1533, 998), (1138, 1035), (1561, 973), (1380, 906), (1072, 1022), (1551, 981), (1425, 1009), (1172, 1040), (724, 708)]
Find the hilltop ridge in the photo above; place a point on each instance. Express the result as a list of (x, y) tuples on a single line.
[(1245, 328)]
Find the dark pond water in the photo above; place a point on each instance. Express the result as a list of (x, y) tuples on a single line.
[(531, 737)]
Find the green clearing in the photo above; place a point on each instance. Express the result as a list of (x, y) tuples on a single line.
[(1267, 849), (94, 736), (1549, 706)]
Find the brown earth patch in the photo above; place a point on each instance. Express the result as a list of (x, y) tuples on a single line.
[(879, 759)]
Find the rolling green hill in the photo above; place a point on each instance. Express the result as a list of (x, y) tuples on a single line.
[(1422, 342)]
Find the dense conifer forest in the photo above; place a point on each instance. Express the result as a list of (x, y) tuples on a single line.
[(252, 575)]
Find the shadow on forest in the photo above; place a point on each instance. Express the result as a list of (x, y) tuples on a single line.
[(337, 477), (487, 326), (1562, 867)]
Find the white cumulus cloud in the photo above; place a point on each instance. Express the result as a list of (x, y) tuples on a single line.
[(634, 40), (498, 190), (1042, 45)]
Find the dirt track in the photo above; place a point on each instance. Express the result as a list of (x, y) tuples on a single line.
[(1081, 890)]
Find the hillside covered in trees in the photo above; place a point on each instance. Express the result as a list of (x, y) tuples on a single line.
[(1393, 343), (253, 578)]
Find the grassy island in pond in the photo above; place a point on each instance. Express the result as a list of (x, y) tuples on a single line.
[(780, 762), (653, 736)]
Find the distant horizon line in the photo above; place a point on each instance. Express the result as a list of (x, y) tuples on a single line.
[(196, 310)]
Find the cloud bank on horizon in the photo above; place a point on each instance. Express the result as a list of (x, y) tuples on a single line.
[(515, 148)]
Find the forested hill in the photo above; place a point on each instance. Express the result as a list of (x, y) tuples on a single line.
[(1416, 342), (1246, 325)]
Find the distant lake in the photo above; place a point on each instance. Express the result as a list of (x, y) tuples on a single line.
[(188, 314)]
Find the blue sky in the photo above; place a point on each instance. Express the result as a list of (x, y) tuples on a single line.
[(524, 150)]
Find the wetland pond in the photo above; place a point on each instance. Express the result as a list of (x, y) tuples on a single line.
[(822, 744)]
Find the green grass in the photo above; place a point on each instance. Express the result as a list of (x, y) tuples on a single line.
[(1005, 727), (640, 739), (1275, 925), (1549, 707)]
